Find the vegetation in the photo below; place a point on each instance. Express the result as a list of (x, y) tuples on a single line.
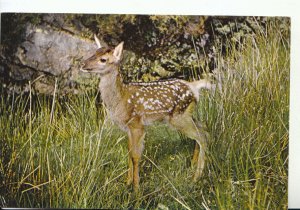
[(64, 152), (156, 46)]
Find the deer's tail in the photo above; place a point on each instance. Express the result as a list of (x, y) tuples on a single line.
[(196, 86)]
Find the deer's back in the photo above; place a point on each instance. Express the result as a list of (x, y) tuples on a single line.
[(157, 100)]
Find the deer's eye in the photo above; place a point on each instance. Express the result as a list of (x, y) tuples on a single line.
[(103, 60)]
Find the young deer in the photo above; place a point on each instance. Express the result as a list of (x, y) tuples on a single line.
[(134, 105)]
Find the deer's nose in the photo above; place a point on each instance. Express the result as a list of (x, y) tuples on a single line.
[(83, 67)]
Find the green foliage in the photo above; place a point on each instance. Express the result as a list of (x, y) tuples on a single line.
[(63, 152)]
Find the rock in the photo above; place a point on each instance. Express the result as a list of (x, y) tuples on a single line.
[(50, 52)]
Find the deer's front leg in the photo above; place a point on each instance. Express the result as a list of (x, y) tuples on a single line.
[(135, 145), (130, 164)]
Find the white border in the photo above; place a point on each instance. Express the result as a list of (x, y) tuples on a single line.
[(203, 7), (179, 7)]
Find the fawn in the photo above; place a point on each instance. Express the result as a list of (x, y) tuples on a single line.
[(134, 105)]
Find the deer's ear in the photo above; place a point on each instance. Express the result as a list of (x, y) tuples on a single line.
[(118, 51), (97, 41)]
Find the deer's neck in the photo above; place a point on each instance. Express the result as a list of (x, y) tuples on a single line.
[(112, 90)]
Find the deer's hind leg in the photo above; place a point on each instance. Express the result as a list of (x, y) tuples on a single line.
[(196, 154), (186, 125), (204, 135)]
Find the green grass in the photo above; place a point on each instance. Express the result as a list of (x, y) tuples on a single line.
[(63, 152)]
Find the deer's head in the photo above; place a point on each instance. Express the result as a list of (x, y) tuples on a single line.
[(105, 60)]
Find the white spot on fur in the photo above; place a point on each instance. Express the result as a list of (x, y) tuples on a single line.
[(156, 101), (141, 100), (148, 106)]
